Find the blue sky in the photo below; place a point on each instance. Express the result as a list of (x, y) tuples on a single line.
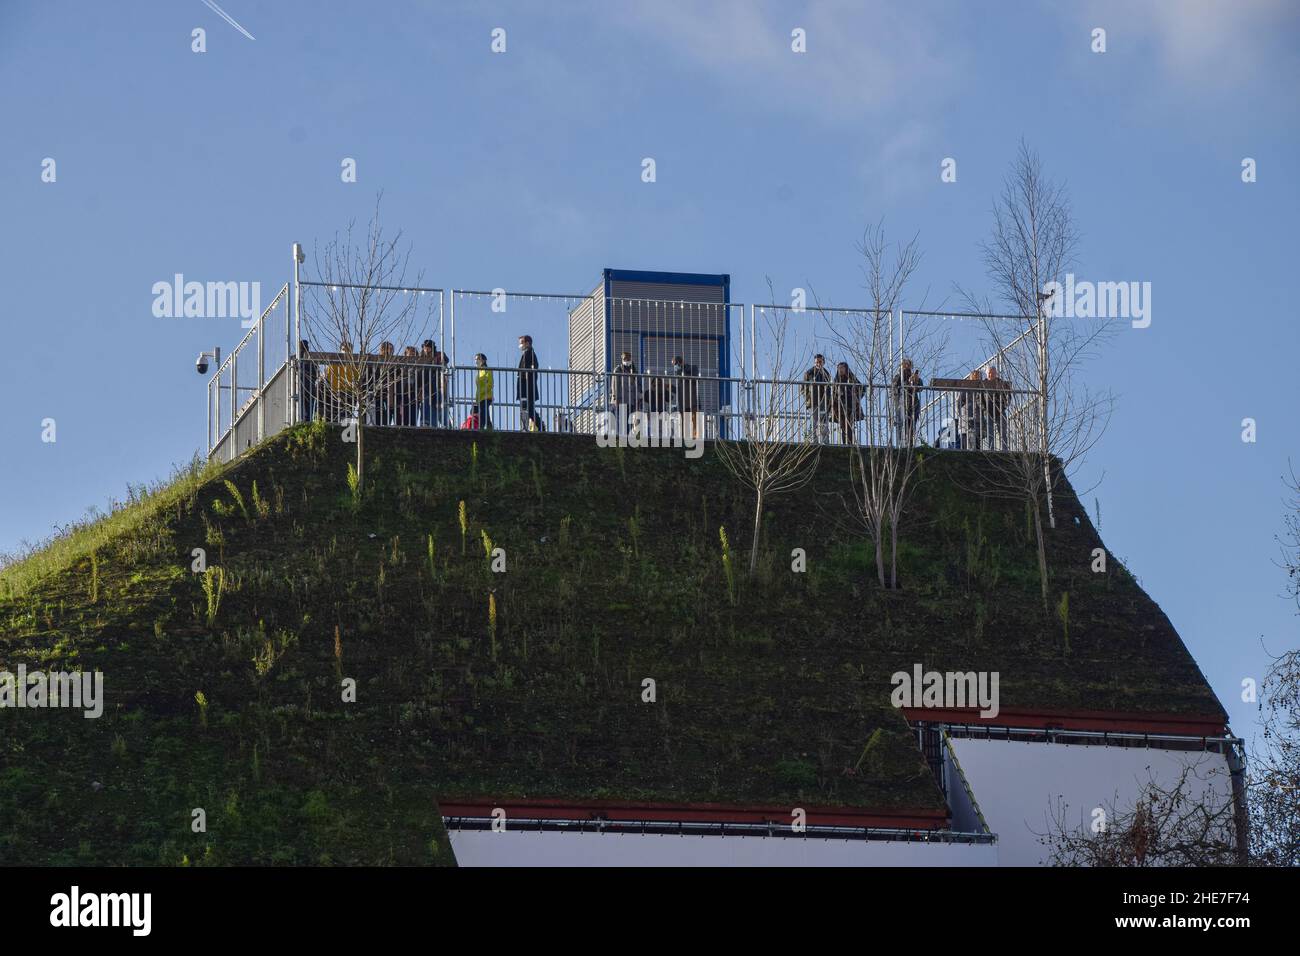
[(523, 170)]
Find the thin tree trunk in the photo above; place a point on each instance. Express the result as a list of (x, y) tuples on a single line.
[(893, 556), (1042, 554), (360, 454), (880, 556), (1047, 486), (758, 523)]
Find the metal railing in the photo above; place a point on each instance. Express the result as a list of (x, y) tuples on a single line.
[(236, 389), (411, 393), (720, 398)]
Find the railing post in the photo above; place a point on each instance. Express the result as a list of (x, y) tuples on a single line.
[(234, 398), (294, 385), (261, 376), (742, 339)]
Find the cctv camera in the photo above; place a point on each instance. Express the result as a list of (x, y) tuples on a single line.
[(201, 364)]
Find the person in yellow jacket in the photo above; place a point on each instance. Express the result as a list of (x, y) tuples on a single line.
[(483, 392), (341, 377)]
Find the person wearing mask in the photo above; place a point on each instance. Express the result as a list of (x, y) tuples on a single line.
[(626, 389), (846, 401), (817, 395), (526, 386), (482, 392)]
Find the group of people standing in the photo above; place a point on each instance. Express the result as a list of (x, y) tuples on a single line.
[(838, 399), (677, 392), (979, 413), (414, 389), (409, 389)]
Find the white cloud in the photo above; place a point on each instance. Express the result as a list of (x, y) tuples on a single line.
[(1200, 43), (860, 60)]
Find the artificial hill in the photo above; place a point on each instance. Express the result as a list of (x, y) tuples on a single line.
[(223, 689)]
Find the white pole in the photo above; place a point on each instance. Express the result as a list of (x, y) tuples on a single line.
[(234, 399), (291, 356), (261, 377)]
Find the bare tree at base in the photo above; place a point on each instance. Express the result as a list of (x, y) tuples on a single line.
[(883, 468), (359, 308), (774, 455), (1189, 821), (1031, 246)]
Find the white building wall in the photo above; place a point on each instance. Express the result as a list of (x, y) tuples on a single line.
[(550, 848), (1018, 785)]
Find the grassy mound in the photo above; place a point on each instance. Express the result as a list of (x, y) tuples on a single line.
[(225, 689)]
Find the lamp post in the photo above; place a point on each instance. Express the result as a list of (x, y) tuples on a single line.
[(294, 317)]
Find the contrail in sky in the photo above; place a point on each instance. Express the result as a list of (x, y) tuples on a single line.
[(228, 18)]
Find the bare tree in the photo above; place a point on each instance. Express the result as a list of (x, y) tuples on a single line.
[(1274, 770), (883, 467), (1289, 539), (360, 307), (774, 455), (1031, 247), (1189, 822)]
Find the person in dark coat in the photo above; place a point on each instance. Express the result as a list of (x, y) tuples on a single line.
[(817, 394), (307, 375), (526, 386), (687, 389), (846, 401), (905, 392), (970, 416), (626, 390)]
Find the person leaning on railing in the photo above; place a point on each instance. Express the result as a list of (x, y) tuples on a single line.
[(341, 377), (846, 401)]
